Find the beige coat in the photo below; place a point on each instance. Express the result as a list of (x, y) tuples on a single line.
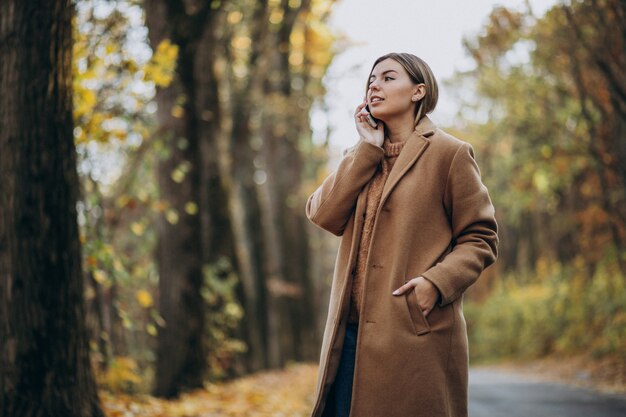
[(435, 219)]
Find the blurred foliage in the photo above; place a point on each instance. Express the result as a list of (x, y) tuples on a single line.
[(122, 375), (113, 89), (119, 147), (562, 311), (113, 73), (219, 293), (546, 110)]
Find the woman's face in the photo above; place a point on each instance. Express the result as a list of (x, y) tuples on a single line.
[(391, 91)]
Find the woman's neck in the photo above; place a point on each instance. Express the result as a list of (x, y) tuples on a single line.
[(399, 134), (399, 130)]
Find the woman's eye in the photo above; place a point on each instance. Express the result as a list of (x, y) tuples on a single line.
[(388, 78)]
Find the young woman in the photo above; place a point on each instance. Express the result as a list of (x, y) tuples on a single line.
[(417, 228)]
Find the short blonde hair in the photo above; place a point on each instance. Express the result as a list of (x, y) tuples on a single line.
[(419, 72)]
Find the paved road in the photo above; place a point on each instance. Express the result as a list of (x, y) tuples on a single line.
[(501, 394)]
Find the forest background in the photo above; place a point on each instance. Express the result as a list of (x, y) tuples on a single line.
[(195, 154)]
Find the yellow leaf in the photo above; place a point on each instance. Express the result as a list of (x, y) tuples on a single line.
[(137, 228), (178, 175), (89, 98), (99, 276), (144, 298), (241, 42), (172, 216), (162, 66), (234, 17), (117, 264), (143, 196), (178, 112), (191, 208), (276, 16), (122, 200)]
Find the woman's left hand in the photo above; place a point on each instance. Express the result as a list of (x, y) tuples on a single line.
[(427, 293)]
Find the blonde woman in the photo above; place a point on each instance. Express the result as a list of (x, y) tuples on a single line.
[(417, 228)]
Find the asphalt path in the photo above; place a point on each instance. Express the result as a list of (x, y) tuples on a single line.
[(496, 393)]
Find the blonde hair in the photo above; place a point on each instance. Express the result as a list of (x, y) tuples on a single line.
[(420, 73)]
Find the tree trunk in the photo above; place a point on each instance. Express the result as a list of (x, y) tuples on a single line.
[(236, 164), (44, 364), (285, 123), (187, 230), (244, 209), (181, 361), (217, 236)]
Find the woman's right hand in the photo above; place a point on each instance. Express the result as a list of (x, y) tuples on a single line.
[(367, 132)]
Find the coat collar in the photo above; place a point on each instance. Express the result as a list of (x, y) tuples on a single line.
[(425, 127), (414, 147)]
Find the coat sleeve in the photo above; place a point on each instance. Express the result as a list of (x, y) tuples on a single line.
[(331, 205), (474, 229)]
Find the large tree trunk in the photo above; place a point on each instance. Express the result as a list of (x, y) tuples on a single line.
[(285, 123), (45, 368), (181, 360), (188, 235)]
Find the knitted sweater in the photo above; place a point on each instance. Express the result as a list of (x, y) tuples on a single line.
[(374, 193)]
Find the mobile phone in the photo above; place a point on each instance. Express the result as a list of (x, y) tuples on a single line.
[(370, 119)]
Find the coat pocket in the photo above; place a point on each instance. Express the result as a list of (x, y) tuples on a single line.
[(420, 324)]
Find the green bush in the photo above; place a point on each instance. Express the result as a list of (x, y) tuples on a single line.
[(561, 310)]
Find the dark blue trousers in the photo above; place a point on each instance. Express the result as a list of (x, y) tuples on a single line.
[(341, 392)]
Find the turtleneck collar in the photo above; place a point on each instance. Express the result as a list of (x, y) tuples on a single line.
[(392, 149)]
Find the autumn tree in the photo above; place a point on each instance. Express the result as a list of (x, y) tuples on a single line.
[(44, 367), (300, 51), (181, 354), (115, 154), (551, 95), (545, 105), (272, 63), (231, 231)]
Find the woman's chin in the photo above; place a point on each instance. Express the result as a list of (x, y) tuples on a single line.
[(380, 117)]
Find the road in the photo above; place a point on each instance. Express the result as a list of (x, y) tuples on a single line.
[(495, 393)]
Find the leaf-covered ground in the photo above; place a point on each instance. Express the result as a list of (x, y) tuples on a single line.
[(284, 393)]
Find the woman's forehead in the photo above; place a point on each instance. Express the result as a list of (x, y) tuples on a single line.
[(386, 65)]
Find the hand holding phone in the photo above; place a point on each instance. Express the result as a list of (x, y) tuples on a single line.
[(370, 119), (367, 125)]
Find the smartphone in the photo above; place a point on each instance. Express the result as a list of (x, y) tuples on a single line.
[(370, 119)]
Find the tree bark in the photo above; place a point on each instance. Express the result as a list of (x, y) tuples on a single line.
[(285, 124), (181, 359), (44, 363), (217, 236), (236, 164), (200, 234)]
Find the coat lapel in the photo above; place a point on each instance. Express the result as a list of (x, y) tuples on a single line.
[(414, 148)]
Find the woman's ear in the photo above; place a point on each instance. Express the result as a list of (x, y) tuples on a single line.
[(419, 91)]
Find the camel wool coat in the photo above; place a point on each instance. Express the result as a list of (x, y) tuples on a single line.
[(435, 219)]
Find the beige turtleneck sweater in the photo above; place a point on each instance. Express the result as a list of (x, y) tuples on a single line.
[(374, 193)]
